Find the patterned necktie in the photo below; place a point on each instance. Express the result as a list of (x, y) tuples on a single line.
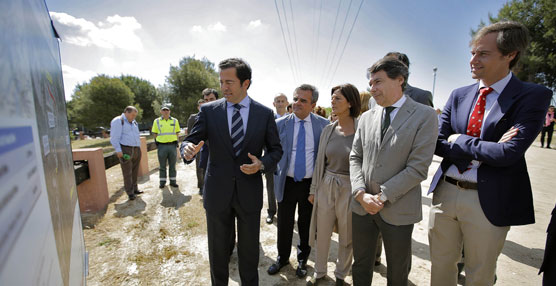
[(237, 130), (478, 114), (386, 120), (299, 166)]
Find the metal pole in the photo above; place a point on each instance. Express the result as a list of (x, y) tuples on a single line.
[(434, 79)]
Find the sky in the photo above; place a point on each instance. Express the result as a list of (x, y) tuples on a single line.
[(144, 38)]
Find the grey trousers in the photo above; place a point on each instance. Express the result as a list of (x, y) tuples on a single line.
[(397, 245)]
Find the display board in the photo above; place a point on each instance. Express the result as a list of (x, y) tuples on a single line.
[(41, 238)]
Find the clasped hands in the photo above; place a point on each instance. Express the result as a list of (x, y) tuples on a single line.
[(371, 203), (190, 150)]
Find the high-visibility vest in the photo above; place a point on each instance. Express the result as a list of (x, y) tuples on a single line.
[(166, 129)]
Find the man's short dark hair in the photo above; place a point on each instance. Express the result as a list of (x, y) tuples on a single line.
[(400, 56), (314, 91), (392, 67), (208, 91), (350, 92), (511, 36), (201, 101), (130, 109), (243, 70)]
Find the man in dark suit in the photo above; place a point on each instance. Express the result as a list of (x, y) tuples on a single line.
[(299, 136), (482, 186), (233, 182)]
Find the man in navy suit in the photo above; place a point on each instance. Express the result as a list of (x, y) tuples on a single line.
[(238, 130), (299, 136), (482, 186)]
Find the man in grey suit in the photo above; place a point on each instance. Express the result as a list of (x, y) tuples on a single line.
[(299, 135), (392, 150), (419, 95)]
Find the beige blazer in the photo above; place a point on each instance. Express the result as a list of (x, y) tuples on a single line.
[(398, 164), (318, 176)]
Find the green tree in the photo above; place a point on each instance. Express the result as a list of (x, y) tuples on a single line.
[(185, 83), (94, 104), (538, 64), (144, 94)]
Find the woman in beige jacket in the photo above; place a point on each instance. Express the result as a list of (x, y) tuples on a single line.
[(330, 191)]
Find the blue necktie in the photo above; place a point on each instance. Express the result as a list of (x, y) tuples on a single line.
[(237, 130), (299, 166)]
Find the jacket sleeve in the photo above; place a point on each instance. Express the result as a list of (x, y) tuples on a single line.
[(528, 120), (318, 170), (274, 150), (356, 160)]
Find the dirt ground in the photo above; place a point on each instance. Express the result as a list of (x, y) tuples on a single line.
[(160, 238)]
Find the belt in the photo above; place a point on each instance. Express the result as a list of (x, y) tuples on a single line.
[(460, 184), (168, 143), (130, 146)]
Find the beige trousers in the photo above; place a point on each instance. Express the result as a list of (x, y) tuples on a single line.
[(333, 200), (457, 220)]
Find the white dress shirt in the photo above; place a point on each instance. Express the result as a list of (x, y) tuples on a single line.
[(397, 106), (309, 147), (471, 174)]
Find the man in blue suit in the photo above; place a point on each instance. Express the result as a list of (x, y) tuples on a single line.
[(238, 130), (299, 135), (482, 186)]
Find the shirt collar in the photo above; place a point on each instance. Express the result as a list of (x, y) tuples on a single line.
[(125, 119), (307, 119), (499, 85), (400, 102), (244, 102)]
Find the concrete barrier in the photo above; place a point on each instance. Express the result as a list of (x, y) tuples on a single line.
[(92, 193)]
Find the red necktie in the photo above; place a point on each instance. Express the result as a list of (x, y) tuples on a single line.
[(476, 119)]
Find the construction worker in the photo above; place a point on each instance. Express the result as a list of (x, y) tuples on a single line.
[(166, 130)]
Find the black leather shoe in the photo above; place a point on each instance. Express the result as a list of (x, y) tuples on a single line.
[(269, 219), (275, 268), (137, 192), (132, 197), (301, 269), (174, 185), (162, 186)]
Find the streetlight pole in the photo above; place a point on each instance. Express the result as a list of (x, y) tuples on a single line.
[(434, 69)]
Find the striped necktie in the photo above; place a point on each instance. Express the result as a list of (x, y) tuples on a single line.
[(237, 130)]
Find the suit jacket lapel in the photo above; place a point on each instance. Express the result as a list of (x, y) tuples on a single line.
[(289, 135), (500, 107), (464, 109), (222, 116), (403, 114)]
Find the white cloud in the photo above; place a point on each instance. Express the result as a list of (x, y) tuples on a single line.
[(73, 76), (217, 27), (254, 24), (115, 32), (197, 29)]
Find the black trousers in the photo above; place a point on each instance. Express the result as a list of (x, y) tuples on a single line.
[(221, 234), (548, 129), (548, 266), (397, 245), (295, 194)]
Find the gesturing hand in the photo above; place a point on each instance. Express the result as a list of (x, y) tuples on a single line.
[(190, 150), (509, 135), (251, 168)]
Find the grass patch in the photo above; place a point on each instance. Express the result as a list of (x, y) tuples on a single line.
[(108, 241)]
